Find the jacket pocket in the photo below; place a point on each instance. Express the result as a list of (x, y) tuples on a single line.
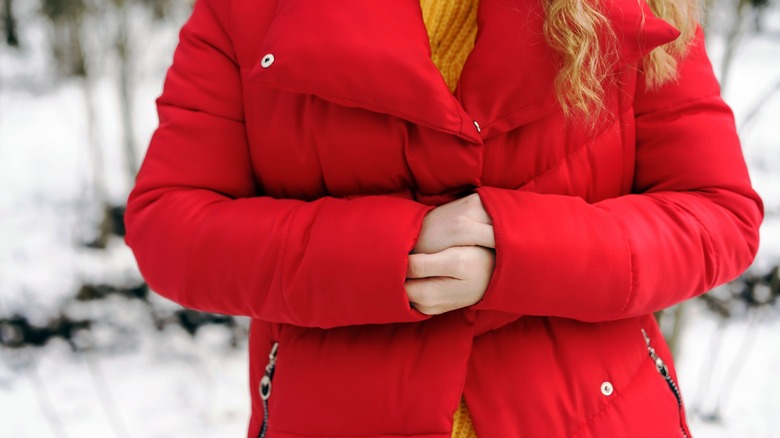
[(663, 371), (265, 387), (367, 380)]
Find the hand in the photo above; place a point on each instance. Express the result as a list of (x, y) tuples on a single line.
[(450, 279), (461, 222)]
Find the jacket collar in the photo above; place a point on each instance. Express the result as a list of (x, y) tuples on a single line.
[(375, 54)]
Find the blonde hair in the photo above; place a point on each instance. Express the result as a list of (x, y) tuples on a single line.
[(580, 32)]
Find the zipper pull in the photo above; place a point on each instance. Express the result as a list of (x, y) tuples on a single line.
[(659, 363), (647, 338), (265, 381), (272, 357)]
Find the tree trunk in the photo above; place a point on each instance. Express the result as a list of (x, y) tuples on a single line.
[(9, 24), (732, 40), (123, 50)]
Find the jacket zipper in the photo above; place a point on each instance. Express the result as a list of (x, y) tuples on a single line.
[(265, 387), (663, 370)]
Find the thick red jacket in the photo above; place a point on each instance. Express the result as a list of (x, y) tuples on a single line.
[(301, 143)]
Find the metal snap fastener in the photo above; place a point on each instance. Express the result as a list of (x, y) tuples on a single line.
[(607, 389), (477, 126), (267, 60)]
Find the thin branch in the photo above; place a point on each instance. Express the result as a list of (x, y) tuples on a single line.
[(108, 404), (759, 105), (45, 403), (740, 359)]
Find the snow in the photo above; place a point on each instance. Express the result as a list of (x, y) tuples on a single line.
[(749, 398), (131, 380), (195, 387)]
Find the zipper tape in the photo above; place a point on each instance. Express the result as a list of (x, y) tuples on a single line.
[(663, 370), (265, 387)]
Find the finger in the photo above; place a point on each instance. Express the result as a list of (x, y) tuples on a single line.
[(429, 310), (424, 291), (413, 291), (415, 268), (432, 293), (438, 264)]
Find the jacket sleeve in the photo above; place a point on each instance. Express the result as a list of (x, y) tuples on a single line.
[(204, 238), (689, 224)]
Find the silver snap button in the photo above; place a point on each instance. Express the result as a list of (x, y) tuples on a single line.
[(606, 388), (267, 60), (477, 126)]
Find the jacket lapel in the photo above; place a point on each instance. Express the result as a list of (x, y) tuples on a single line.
[(372, 54), (508, 79), (375, 54)]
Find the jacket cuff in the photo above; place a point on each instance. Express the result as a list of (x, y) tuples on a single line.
[(548, 259), (356, 251)]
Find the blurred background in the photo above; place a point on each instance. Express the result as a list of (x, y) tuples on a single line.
[(87, 350)]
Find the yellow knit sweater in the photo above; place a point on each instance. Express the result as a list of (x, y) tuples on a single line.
[(452, 27), (461, 425)]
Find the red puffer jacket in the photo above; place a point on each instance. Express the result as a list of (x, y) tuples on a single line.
[(301, 143)]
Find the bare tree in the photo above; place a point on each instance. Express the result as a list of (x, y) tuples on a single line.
[(85, 35), (732, 40), (9, 24)]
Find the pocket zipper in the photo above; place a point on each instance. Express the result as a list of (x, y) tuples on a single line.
[(663, 370), (265, 387)]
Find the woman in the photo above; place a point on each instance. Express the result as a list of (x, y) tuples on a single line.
[(406, 249)]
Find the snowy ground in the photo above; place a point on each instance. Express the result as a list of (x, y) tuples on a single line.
[(169, 385), (198, 386), (138, 383)]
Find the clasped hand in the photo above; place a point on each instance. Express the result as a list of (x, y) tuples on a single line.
[(452, 263)]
